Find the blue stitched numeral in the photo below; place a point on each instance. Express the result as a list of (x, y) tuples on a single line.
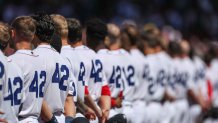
[(37, 85), (60, 75), (82, 73)]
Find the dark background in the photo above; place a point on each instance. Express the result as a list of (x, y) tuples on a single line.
[(194, 18)]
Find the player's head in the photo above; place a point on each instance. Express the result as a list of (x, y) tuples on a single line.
[(44, 27), (174, 49), (210, 54), (113, 38), (185, 47), (96, 31), (61, 25), (129, 36), (5, 35), (74, 30), (150, 43), (23, 29)]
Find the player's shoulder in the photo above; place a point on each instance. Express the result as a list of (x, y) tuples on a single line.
[(103, 51), (13, 65)]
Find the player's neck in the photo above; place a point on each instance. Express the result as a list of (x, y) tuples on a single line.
[(99, 47), (114, 47), (23, 45), (76, 44), (133, 47), (64, 42)]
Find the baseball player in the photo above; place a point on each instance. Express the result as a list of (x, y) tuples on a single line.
[(113, 68), (96, 31), (73, 58), (138, 62), (155, 89), (60, 75), (196, 101), (31, 65), (176, 84), (16, 94), (8, 114), (81, 68)]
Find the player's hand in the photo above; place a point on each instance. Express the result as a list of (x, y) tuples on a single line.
[(204, 105), (118, 102), (3, 120), (99, 113), (90, 114), (104, 117)]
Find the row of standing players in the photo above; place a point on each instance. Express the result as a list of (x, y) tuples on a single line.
[(113, 74)]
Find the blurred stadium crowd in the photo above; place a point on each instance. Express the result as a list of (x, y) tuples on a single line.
[(192, 17)]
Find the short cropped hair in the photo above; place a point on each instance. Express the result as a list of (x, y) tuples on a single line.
[(96, 29), (150, 41), (44, 26), (60, 24), (5, 35), (132, 34), (74, 30), (25, 27)]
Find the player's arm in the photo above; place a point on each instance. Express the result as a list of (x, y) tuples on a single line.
[(2, 120), (46, 113), (85, 110), (105, 103), (117, 102), (90, 102), (69, 107)]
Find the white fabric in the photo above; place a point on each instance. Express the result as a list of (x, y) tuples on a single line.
[(29, 120), (153, 112), (95, 77), (112, 66), (34, 69), (58, 67), (129, 78), (155, 89), (140, 68), (5, 106), (17, 81), (139, 109), (79, 68)]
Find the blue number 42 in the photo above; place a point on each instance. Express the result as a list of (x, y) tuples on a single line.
[(13, 94), (36, 85), (57, 78)]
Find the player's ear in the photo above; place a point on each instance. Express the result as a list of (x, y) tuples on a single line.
[(13, 33)]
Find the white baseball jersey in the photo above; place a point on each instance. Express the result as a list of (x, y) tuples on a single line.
[(154, 78), (189, 70), (179, 79), (79, 67), (60, 76), (211, 75), (128, 69), (112, 66), (94, 70), (34, 71), (6, 107), (199, 77), (16, 94), (140, 69)]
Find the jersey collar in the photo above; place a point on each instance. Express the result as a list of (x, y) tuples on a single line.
[(24, 51), (27, 52), (66, 47), (103, 51), (47, 47), (81, 47)]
